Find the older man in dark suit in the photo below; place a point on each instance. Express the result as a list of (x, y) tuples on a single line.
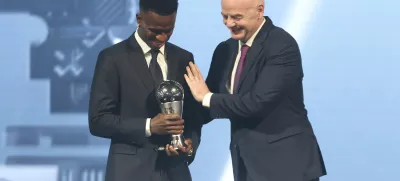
[(255, 80)]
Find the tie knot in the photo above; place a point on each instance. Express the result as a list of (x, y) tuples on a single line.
[(244, 48), (154, 52)]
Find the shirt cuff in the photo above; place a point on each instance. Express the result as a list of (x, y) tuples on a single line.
[(148, 132), (207, 99)]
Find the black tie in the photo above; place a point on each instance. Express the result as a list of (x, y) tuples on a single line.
[(155, 68)]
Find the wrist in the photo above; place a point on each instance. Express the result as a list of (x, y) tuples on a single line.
[(207, 100), (202, 97), (148, 126), (151, 127)]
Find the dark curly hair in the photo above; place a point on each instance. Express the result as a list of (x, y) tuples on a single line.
[(161, 7)]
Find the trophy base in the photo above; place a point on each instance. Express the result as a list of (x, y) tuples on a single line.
[(176, 141)]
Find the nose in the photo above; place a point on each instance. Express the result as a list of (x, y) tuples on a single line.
[(230, 23), (162, 37)]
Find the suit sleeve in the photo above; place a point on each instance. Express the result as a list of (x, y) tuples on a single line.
[(278, 74), (193, 122), (104, 117)]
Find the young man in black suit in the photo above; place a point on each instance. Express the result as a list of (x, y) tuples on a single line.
[(123, 106), (255, 80)]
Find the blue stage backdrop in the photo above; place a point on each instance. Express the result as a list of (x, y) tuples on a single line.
[(48, 49)]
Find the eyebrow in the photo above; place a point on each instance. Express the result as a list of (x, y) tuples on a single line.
[(231, 15)]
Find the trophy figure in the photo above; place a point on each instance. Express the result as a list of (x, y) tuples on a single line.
[(170, 95)]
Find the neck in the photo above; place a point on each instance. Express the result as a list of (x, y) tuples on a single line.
[(141, 34)]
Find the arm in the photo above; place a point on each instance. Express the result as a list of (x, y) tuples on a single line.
[(277, 76), (104, 118)]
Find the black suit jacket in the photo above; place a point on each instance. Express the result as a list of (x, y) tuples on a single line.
[(122, 97), (270, 129)]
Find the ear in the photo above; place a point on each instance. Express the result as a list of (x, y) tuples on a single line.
[(139, 19), (260, 10)]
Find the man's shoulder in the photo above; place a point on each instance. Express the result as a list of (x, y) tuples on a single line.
[(278, 35), (225, 45), (179, 50), (115, 49)]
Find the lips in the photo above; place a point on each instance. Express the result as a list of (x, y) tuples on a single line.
[(157, 44), (236, 30)]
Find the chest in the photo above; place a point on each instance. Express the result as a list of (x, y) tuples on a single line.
[(242, 72), (136, 81)]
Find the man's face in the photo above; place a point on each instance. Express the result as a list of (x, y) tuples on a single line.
[(242, 17), (154, 28)]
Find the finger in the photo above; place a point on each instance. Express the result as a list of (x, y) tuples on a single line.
[(173, 151), (183, 149), (174, 128), (167, 150), (187, 80), (173, 125), (188, 145), (189, 73), (200, 75), (188, 142), (172, 116), (175, 122), (195, 70), (175, 131)]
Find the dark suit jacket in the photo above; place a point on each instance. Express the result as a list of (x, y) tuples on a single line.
[(270, 129), (122, 97)]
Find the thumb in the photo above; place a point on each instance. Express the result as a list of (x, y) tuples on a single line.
[(188, 142)]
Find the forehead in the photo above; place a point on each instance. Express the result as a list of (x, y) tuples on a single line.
[(235, 7), (155, 20)]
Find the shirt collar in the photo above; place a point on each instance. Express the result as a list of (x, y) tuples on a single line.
[(144, 46), (251, 40)]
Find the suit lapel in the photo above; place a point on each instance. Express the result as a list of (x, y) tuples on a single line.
[(172, 62), (251, 58), (256, 50), (231, 54), (139, 65)]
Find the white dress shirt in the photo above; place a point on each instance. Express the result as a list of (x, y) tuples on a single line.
[(161, 60), (207, 97)]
